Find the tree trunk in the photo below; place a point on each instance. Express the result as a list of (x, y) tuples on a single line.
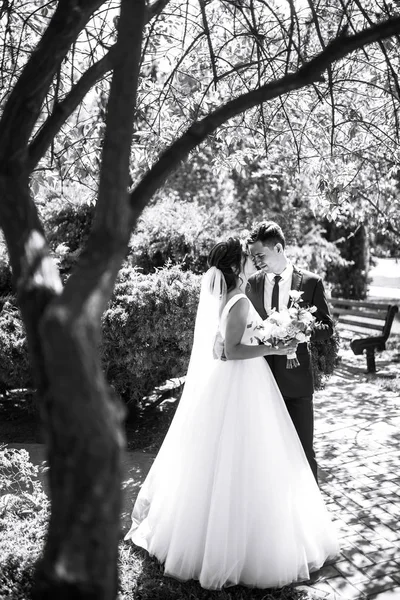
[(82, 417), (36, 279), (82, 421), (84, 444)]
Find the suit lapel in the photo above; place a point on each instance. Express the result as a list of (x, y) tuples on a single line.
[(297, 279), (259, 295)]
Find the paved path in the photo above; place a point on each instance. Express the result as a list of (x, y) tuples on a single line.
[(358, 448)]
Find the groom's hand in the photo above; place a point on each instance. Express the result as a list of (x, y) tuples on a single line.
[(219, 347)]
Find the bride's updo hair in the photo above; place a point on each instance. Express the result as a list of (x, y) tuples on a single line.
[(227, 256)]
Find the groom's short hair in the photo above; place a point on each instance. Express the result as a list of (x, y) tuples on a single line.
[(268, 233)]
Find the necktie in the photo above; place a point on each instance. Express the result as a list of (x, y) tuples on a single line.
[(275, 293)]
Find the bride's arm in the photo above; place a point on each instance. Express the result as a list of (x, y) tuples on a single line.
[(235, 325)]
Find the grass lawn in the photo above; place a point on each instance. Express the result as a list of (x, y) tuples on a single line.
[(141, 577)]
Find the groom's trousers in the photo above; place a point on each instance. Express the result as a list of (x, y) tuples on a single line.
[(301, 411)]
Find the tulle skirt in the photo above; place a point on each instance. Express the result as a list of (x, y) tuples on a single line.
[(230, 497)]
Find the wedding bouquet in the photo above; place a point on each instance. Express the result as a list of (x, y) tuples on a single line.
[(294, 323)]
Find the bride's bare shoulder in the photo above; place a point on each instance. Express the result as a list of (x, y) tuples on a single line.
[(238, 303)]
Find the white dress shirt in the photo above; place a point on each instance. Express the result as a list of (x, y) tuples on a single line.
[(285, 285)]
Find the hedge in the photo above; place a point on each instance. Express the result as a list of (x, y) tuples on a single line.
[(24, 512), (172, 231), (15, 370), (147, 335), (148, 329)]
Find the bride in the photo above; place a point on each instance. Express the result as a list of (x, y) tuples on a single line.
[(230, 498)]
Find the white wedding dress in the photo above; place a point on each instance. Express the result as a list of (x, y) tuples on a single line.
[(230, 498)]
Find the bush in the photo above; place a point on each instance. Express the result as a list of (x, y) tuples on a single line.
[(318, 255), (322, 257), (148, 329), (350, 279), (5, 273), (324, 358), (67, 230), (14, 362), (69, 224), (5, 280), (15, 370), (24, 512), (183, 233), (179, 232), (17, 474), (147, 333)]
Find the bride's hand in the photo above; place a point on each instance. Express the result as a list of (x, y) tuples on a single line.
[(283, 350)]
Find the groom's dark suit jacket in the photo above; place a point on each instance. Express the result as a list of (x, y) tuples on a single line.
[(297, 382)]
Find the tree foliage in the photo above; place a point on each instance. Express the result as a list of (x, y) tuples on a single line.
[(342, 132)]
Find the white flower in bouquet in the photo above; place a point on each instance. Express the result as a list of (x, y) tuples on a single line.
[(305, 315), (277, 324), (301, 337)]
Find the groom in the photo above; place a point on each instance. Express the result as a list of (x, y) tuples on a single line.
[(269, 288)]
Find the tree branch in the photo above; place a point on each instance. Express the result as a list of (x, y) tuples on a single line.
[(389, 225), (84, 426), (293, 19), (330, 74), (64, 109), (156, 8), (389, 65), (99, 264), (25, 101), (209, 42), (305, 75)]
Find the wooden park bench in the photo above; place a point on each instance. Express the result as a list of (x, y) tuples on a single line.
[(368, 322)]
